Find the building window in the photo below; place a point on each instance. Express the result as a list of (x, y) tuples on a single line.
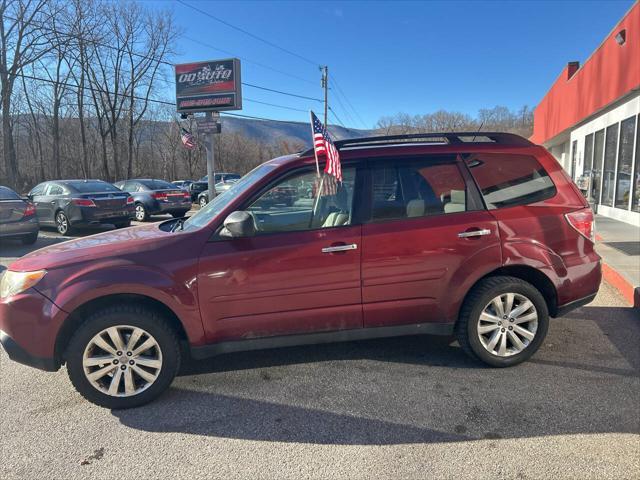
[(635, 202), (588, 154), (598, 150), (574, 155), (625, 161), (609, 170)]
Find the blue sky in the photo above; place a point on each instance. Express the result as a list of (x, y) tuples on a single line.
[(390, 57)]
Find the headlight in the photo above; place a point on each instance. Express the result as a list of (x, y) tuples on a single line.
[(13, 283)]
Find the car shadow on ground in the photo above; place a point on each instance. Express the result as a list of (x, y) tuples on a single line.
[(382, 396)]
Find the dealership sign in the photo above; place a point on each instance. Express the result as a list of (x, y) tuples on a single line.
[(208, 86)]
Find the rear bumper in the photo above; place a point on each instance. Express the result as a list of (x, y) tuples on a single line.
[(171, 207), (18, 229), (93, 216), (20, 355), (562, 310)]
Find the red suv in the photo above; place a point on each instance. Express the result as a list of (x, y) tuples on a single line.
[(484, 237)]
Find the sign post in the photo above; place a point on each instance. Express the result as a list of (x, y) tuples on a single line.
[(209, 87)]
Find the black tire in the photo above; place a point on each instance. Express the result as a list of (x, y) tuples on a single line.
[(141, 213), (202, 201), (63, 225), (148, 320), (179, 214), (29, 239), (474, 304), (123, 224)]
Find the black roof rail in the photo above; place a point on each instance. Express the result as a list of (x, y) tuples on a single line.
[(500, 138)]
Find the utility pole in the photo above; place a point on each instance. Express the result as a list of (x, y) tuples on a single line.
[(325, 85), (209, 145)]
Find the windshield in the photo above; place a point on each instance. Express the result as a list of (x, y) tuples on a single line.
[(92, 187), (215, 206)]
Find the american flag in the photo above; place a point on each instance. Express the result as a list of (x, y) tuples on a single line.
[(187, 139), (324, 146)]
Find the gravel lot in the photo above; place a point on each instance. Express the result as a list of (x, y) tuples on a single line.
[(400, 408)]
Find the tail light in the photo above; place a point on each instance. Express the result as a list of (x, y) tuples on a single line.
[(159, 196), (583, 222), (187, 195), (130, 200), (29, 211), (83, 202)]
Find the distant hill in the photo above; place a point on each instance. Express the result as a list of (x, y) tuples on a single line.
[(275, 131)]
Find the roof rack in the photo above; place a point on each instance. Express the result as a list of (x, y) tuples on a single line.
[(451, 138)]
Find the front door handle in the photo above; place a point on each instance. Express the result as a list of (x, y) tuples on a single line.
[(474, 233), (339, 248)]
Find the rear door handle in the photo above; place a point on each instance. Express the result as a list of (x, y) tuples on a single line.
[(474, 233), (339, 248)]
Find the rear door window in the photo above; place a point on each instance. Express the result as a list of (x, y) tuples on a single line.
[(55, 190), (419, 188), (507, 180)]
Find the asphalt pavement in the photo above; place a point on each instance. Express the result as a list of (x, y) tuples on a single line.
[(411, 407)]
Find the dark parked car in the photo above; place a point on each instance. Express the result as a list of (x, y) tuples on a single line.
[(201, 185), (152, 197), (68, 204), (17, 217), (203, 197), (482, 237)]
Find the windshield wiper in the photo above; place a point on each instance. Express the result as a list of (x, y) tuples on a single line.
[(178, 225)]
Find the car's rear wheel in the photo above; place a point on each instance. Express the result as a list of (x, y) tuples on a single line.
[(141, 213), (503, 321), (123, 357), (30, 239), (63, 225)]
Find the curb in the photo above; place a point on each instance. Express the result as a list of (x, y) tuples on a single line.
[(617, 281)]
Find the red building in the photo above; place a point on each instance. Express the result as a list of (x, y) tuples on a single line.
[(589, 121)]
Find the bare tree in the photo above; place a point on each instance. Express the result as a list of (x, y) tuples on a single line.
[(21, 44)]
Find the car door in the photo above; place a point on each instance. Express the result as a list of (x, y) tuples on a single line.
[(299, 273), (37, 197), (427, 237)]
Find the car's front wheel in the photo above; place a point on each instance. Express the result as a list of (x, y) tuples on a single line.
[(203, 202), (123, 356), (503, 321)]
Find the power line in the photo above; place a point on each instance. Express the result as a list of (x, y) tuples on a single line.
[(349, 117), (164, 62), (151, 100), (337, 118), (246, 32), (245, 59), (335, 83)]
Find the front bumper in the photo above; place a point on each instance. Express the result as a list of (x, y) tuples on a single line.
[(20, 355), (29, 326)]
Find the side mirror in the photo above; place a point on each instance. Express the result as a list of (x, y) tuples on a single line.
[(238, 224)]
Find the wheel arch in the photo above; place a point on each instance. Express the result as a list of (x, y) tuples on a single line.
[(80, 313), (529, 274)]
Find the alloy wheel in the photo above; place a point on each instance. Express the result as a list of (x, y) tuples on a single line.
[(62, 223), (203, 202), (122, 361), (140, 213), (507, 324)]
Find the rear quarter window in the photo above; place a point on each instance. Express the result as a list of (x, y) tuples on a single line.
[(507, 180)]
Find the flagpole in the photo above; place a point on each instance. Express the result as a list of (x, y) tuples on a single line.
[(313, 143)]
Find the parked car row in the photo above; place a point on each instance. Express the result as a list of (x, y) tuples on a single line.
[(70, 204)]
